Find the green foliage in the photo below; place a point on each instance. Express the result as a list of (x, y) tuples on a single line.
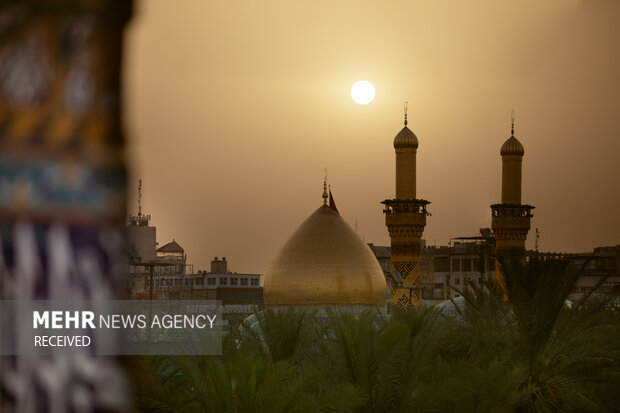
[(519, 350)]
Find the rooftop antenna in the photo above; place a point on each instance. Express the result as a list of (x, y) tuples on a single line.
[(139, 198), (512, 117), (325, 188), (406, 103), (537, 237), (141, 220)]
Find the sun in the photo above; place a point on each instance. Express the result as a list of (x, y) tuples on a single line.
[(363, 92)]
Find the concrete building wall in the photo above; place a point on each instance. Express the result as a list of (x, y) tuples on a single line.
[(144, 238)]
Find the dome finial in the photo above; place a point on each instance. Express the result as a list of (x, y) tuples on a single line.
[(325, 196), (512, 146), (406, 112)]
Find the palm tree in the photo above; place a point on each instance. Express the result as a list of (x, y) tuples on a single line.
[(282, 334), (565, 353), (385, 359)]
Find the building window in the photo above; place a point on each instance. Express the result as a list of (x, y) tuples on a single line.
[(233, 281), (467, 264), (223, 281), (491, 264), (199, 281), (244, 281), (442, 264), (255, 281), (457, 281), (211, 281), (478, 264), (188, 282), (456, 265)]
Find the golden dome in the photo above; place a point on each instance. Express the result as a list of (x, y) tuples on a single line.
[(325, 263), (512, 147), (406, 139)]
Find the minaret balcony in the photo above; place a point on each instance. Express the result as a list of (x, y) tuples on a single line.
[(406, 206), (512, 210), (511, 217), (405, 212)]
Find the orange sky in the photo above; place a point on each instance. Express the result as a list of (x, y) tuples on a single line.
[(234, 109)]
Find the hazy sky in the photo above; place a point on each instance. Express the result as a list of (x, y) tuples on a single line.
[(234, 109)]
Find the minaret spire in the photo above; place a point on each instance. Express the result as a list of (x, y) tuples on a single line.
[(512, 129), (406, 112), (325, 196)]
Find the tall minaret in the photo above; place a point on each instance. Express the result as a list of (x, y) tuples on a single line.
[(510, 219), (405, 217)]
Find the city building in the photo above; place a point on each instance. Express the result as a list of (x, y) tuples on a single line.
[(141, 236), (220, 284), (447, 269), (602, 264), (163, 273), (466, 260), (233, 288), (600, 276), (458, 265), (164, 264)]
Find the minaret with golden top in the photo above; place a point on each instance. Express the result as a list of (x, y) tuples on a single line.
[(405, 217), (510, 219)]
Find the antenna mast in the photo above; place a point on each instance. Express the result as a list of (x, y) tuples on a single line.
[(139, 198), (140, 219)]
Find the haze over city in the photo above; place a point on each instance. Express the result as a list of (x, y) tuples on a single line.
[(234, 110)]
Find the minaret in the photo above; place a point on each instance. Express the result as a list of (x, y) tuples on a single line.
[(510, 219), (405, 217)]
